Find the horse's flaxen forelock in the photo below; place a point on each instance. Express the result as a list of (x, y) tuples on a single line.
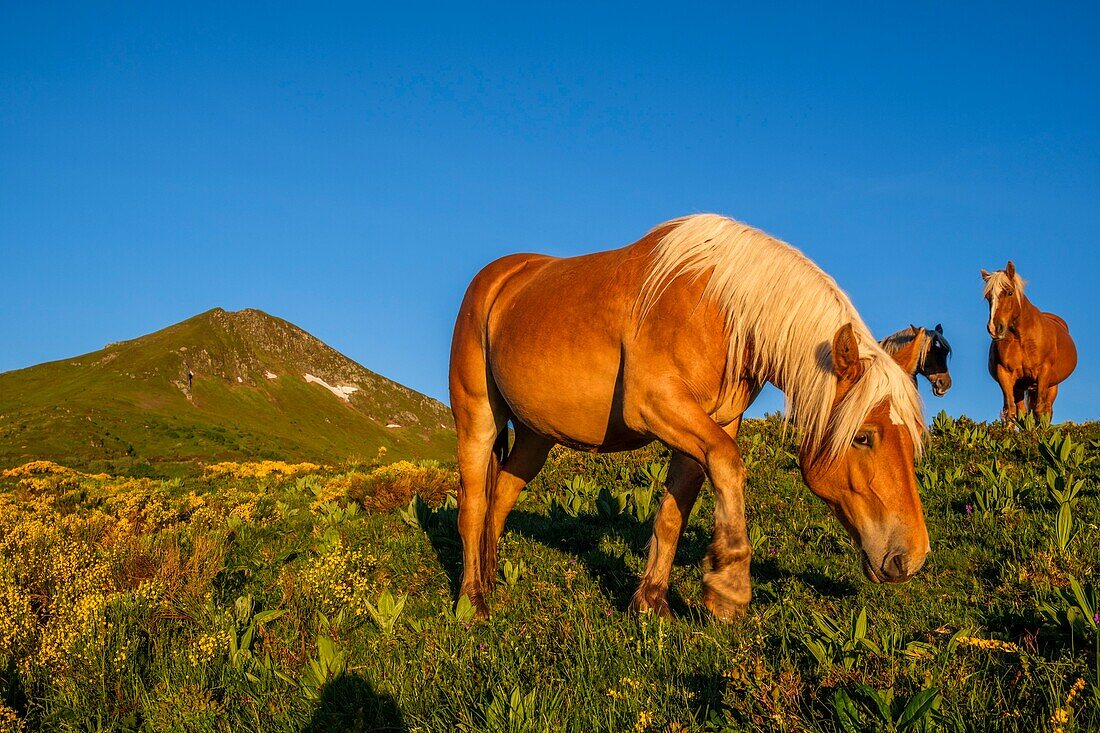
[(775, 298), (999, 281)]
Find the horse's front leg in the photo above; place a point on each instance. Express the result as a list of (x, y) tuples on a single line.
[(679, 422), (1014, 402), (685, 478), (726, 585)]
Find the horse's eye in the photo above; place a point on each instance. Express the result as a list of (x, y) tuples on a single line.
[(1010, 292), (862, 439)]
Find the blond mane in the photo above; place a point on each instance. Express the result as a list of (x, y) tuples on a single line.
[(783, 305), (999, 281), (895, 342)]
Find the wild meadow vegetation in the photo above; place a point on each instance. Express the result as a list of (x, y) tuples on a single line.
[(286, 597)]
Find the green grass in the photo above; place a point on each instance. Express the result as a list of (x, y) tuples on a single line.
[(258, 604)]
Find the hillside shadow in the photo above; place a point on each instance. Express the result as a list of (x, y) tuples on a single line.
[(582, 538), (447, 547), (13, 694), (707, 693), (1012, 623), (768, 569), (577, 536), (349, 704)]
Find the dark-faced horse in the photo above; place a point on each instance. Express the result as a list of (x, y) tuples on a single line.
[(1031, 353), (932, 353), (670, 339)]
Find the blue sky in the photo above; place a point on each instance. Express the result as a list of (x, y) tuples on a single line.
[(350, 168)]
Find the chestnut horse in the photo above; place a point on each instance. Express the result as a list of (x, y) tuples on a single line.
[(1032, 352), (932, 353), (670, 339)]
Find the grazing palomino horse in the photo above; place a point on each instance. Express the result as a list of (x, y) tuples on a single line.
[(670, 339), (1032, 352), (932, 353)]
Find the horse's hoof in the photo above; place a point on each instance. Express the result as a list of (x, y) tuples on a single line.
[(726, 597), (477, 600), (651, 599), (724, 609)]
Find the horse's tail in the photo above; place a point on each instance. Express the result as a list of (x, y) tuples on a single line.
[(492, 471), (497, 458)]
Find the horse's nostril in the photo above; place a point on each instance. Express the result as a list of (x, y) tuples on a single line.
[(896, 568)]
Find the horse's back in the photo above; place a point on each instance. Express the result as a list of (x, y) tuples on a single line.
[(563, 342), (1057, 320), (540, 293), (469, 348), (1050, 349), (554, 333), (495, 276)]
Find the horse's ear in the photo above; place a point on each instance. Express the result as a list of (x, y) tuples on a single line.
[(939, 328), (1010, 270), (846, 364), (913, 329), (985, 276), (908, 355)]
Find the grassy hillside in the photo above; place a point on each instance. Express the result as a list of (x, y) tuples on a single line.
[(281, 598), (130, 404)]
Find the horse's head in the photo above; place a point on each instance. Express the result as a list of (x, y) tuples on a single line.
[(871, 486), (1003, 290), (935, 361)]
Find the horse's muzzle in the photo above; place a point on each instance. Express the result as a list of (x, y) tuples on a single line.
[(896, 568)]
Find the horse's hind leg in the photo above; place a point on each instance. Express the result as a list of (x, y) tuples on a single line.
[(1044, 405), (480, 418), (1030, 403), (685, 478), (479, 455), (525, 460)]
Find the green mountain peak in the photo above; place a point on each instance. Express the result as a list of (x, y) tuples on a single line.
[(221, 385)]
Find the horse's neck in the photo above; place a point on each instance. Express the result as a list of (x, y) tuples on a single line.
[(1030, 316), (922, 352), (779, 377)]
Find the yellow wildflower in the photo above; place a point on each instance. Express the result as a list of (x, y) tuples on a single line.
[(17, 623), (338, 579), (258, 469), (1061, 715), (9, 721), (991, 644)]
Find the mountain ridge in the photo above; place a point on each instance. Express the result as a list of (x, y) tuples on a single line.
[(220, 385)]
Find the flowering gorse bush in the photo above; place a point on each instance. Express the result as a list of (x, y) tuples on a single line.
[(259, 469)]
